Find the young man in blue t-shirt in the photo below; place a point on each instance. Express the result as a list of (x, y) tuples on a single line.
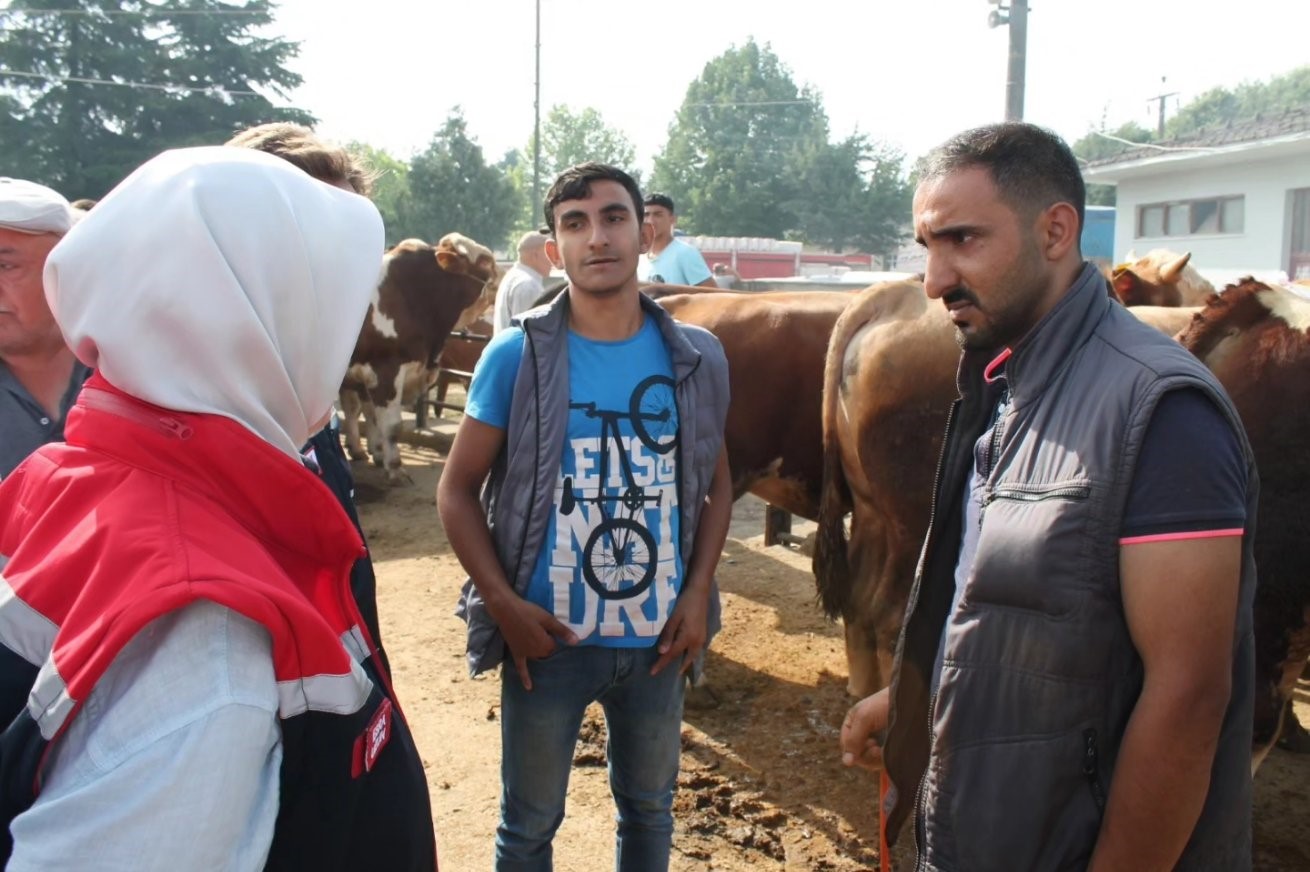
[(668, 260), (597, 424)]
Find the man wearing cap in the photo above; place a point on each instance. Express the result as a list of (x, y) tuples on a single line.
[(39, 376), (523, 283), (670, 261)]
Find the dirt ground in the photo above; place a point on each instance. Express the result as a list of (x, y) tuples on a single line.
[(761, 786)]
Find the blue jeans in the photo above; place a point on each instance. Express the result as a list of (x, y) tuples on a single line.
[(539, 729)]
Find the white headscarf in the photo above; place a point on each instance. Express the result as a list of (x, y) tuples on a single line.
[(221, 280)]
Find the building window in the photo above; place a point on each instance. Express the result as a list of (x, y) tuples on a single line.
[(1209, 217)]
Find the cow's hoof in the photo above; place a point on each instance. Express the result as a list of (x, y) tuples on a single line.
[(1294, 738), (356, 453), (399, 478), (700, 696)]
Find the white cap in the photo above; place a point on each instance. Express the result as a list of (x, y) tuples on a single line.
[(31, 208)]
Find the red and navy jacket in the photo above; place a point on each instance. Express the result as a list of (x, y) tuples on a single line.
[(144, 511)]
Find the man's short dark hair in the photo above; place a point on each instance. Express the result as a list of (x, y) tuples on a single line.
[(1031, 167), (661, 200), (575, 184)]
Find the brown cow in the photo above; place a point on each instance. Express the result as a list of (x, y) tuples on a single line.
[(1161, 278), (889, 382), (425, 292), (461, 355), (775, 343)]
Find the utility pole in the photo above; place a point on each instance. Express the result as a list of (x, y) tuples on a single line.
[(536, 128), (1016, 16), (1159, 130)]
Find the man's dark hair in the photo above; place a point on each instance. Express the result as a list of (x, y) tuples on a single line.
[(1031, 167), (575, 184), (662, 200)]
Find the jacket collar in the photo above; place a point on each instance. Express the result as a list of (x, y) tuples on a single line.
[(1036, 359), (552, 321), (278, 499)]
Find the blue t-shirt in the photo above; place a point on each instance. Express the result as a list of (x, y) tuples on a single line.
[(677, 264), (611, 564)]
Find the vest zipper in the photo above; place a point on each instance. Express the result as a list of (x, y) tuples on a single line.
[(932, 703), (1036, 495), (923, 780), (994, 446), (1091, 768)]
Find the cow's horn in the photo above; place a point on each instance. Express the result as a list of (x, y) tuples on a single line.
[(1171, 271)]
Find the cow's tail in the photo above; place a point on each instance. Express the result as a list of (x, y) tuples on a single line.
[(831, 565)]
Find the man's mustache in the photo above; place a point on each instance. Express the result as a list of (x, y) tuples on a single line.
[(960, 295)]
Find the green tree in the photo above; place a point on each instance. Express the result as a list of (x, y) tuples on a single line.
[(738, 144), (1223, 105), (853, 194), (390, 189), (96, 87), (454, 189), (1099, 145), (567, 138)]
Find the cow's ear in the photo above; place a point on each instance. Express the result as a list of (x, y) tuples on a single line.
[(1172, 271), (487, 266), (1124, 282), (451, 261)]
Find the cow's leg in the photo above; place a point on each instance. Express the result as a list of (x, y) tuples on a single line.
[(390, 427), (351, 406), (372, 431)]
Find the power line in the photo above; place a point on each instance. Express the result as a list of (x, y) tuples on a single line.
[(212, 89), (1120, 139), (756, 103), (146, 13)]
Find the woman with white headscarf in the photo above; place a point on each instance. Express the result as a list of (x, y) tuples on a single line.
[(202, 693)]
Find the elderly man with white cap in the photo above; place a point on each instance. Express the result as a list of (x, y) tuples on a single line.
[(39, 376)]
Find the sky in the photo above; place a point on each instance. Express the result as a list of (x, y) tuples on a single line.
[(909, 73)]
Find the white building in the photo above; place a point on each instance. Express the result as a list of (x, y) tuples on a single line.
[(1237, 197)]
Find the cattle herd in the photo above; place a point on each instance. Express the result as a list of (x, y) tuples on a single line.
[(839, 402)]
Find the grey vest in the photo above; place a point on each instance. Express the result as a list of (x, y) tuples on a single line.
[(1039, 674), (519, 495)]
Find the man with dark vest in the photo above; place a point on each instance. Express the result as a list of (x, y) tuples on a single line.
[(597, 424), (174, 580), (1073, 683)]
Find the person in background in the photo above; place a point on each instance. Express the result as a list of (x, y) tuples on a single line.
[(669, 260), (332, 165), (523, 283), (39, 375)]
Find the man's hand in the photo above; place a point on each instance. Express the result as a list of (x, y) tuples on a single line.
[(867, 718), (684, 633), (530, 632)]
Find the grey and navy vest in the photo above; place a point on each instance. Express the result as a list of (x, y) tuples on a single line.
[(1008, 766), (519, 494)]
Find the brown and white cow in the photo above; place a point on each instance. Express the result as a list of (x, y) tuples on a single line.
[(1256, 339), (1161, 278), (889, 382), (426, 291)]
